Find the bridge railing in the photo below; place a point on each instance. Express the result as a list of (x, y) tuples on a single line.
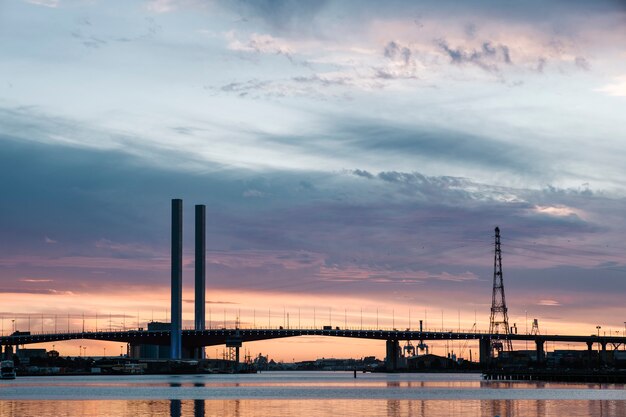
[(250, 327)]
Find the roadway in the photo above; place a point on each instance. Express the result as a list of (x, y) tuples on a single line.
[(197, 338)]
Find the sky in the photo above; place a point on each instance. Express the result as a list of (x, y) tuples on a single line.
[(354, 158)]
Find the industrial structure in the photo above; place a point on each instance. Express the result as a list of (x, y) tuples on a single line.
[(499, 320), (177, 279), (200, 274)]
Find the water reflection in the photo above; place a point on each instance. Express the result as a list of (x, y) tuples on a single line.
[(502, 408), (175, 408), (314, 408), (312, 394), (198, 408)]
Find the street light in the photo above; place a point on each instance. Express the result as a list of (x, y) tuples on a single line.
[(121, 347), (526, 324), (598, 327)]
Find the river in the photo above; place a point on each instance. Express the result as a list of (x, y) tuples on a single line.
[(307, 394)]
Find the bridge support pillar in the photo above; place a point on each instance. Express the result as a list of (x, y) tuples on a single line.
[(541, 353), (393, 355), (8, 352), (590, 351), (234, 342), (198, 353), (484, 351)]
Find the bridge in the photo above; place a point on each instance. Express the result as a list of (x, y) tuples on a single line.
[(191, 342), (194, 339)]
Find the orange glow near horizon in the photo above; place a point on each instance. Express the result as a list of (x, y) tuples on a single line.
[(248, 310)]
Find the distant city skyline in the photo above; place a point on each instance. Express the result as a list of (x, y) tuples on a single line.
[(351, 155)]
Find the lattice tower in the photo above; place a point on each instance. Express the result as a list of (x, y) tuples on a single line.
[(499, 321)]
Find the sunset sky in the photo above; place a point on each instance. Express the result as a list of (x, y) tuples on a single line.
[(353, 156)]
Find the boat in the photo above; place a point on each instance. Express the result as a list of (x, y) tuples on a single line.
[(7, 370)]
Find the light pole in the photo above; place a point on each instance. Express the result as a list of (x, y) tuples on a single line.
[(526, 324), (80, 349), (121, 347), (598, 328), (13, 323)]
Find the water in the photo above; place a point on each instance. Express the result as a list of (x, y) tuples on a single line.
[(308, 394)]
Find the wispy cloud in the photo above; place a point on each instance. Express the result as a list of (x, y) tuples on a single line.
[(46, 3), (617, 88), (549, 303), (489, 57), (35, 280), (34, 291), (162, 6)]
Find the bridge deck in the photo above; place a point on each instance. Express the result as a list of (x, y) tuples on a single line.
[(194, 338)]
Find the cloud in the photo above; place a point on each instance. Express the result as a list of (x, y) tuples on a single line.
[(323, 80), (188, 301), (361, 137), (35, 280), (557, 211), (262, 44), (49, 241), (541, 64), (362, 173), (582, 63), (34, 291), (46, 3), (282, 15), (253, 194), (127, 250), (162, 6), (396, 52), (616, 89), (549, 303), (90, 41), (317, 86), (488, 57), (354, 233)]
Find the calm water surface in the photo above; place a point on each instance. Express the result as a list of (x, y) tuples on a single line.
[(308, 394)]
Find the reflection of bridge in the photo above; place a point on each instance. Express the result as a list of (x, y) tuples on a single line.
[(193, 339)]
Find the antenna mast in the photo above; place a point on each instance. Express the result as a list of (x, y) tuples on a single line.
[(499, 321)]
